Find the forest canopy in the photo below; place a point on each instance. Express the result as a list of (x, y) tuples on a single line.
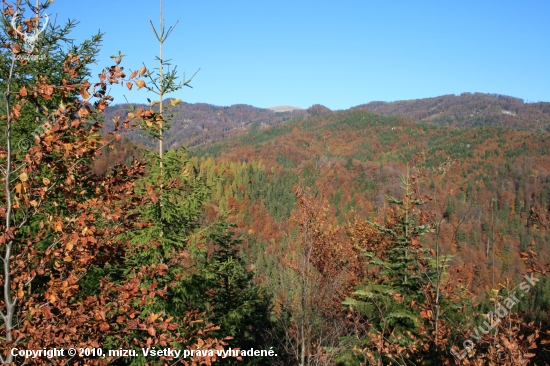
[(160, 233)]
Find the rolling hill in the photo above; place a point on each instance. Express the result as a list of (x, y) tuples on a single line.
[(469, 110), (201, 123)]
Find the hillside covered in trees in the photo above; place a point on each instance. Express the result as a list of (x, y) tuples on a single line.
[(488, 189), (470, 110), (173, 233), (487, 201), (199, 124), (488, 185), (195, 124)]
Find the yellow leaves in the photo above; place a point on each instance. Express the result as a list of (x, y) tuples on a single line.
[(83, 113), (140, 83), (155, 102), (18, 187), (23, 177), (20, 293), (58, 226), (175, 102), (65, 286), (69, 246), (68, 259), (116, 121), (493, 294), (62, 108), (153, 317), (426, 314)]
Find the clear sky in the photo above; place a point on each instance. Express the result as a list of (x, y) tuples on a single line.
[(336, 53)]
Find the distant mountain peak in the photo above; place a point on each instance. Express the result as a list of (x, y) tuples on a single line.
[(318, 109), (284, 108)]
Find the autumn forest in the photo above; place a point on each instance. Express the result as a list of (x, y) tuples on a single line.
[(391, 233)]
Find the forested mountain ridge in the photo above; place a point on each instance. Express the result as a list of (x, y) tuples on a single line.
[(201, 123), (356, 157), (486, 191), (469, 110)]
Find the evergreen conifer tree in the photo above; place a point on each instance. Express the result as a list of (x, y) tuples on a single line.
[(199, 270), (398, 300)]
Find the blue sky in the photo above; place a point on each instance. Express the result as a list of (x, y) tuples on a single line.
[(336, 53)]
